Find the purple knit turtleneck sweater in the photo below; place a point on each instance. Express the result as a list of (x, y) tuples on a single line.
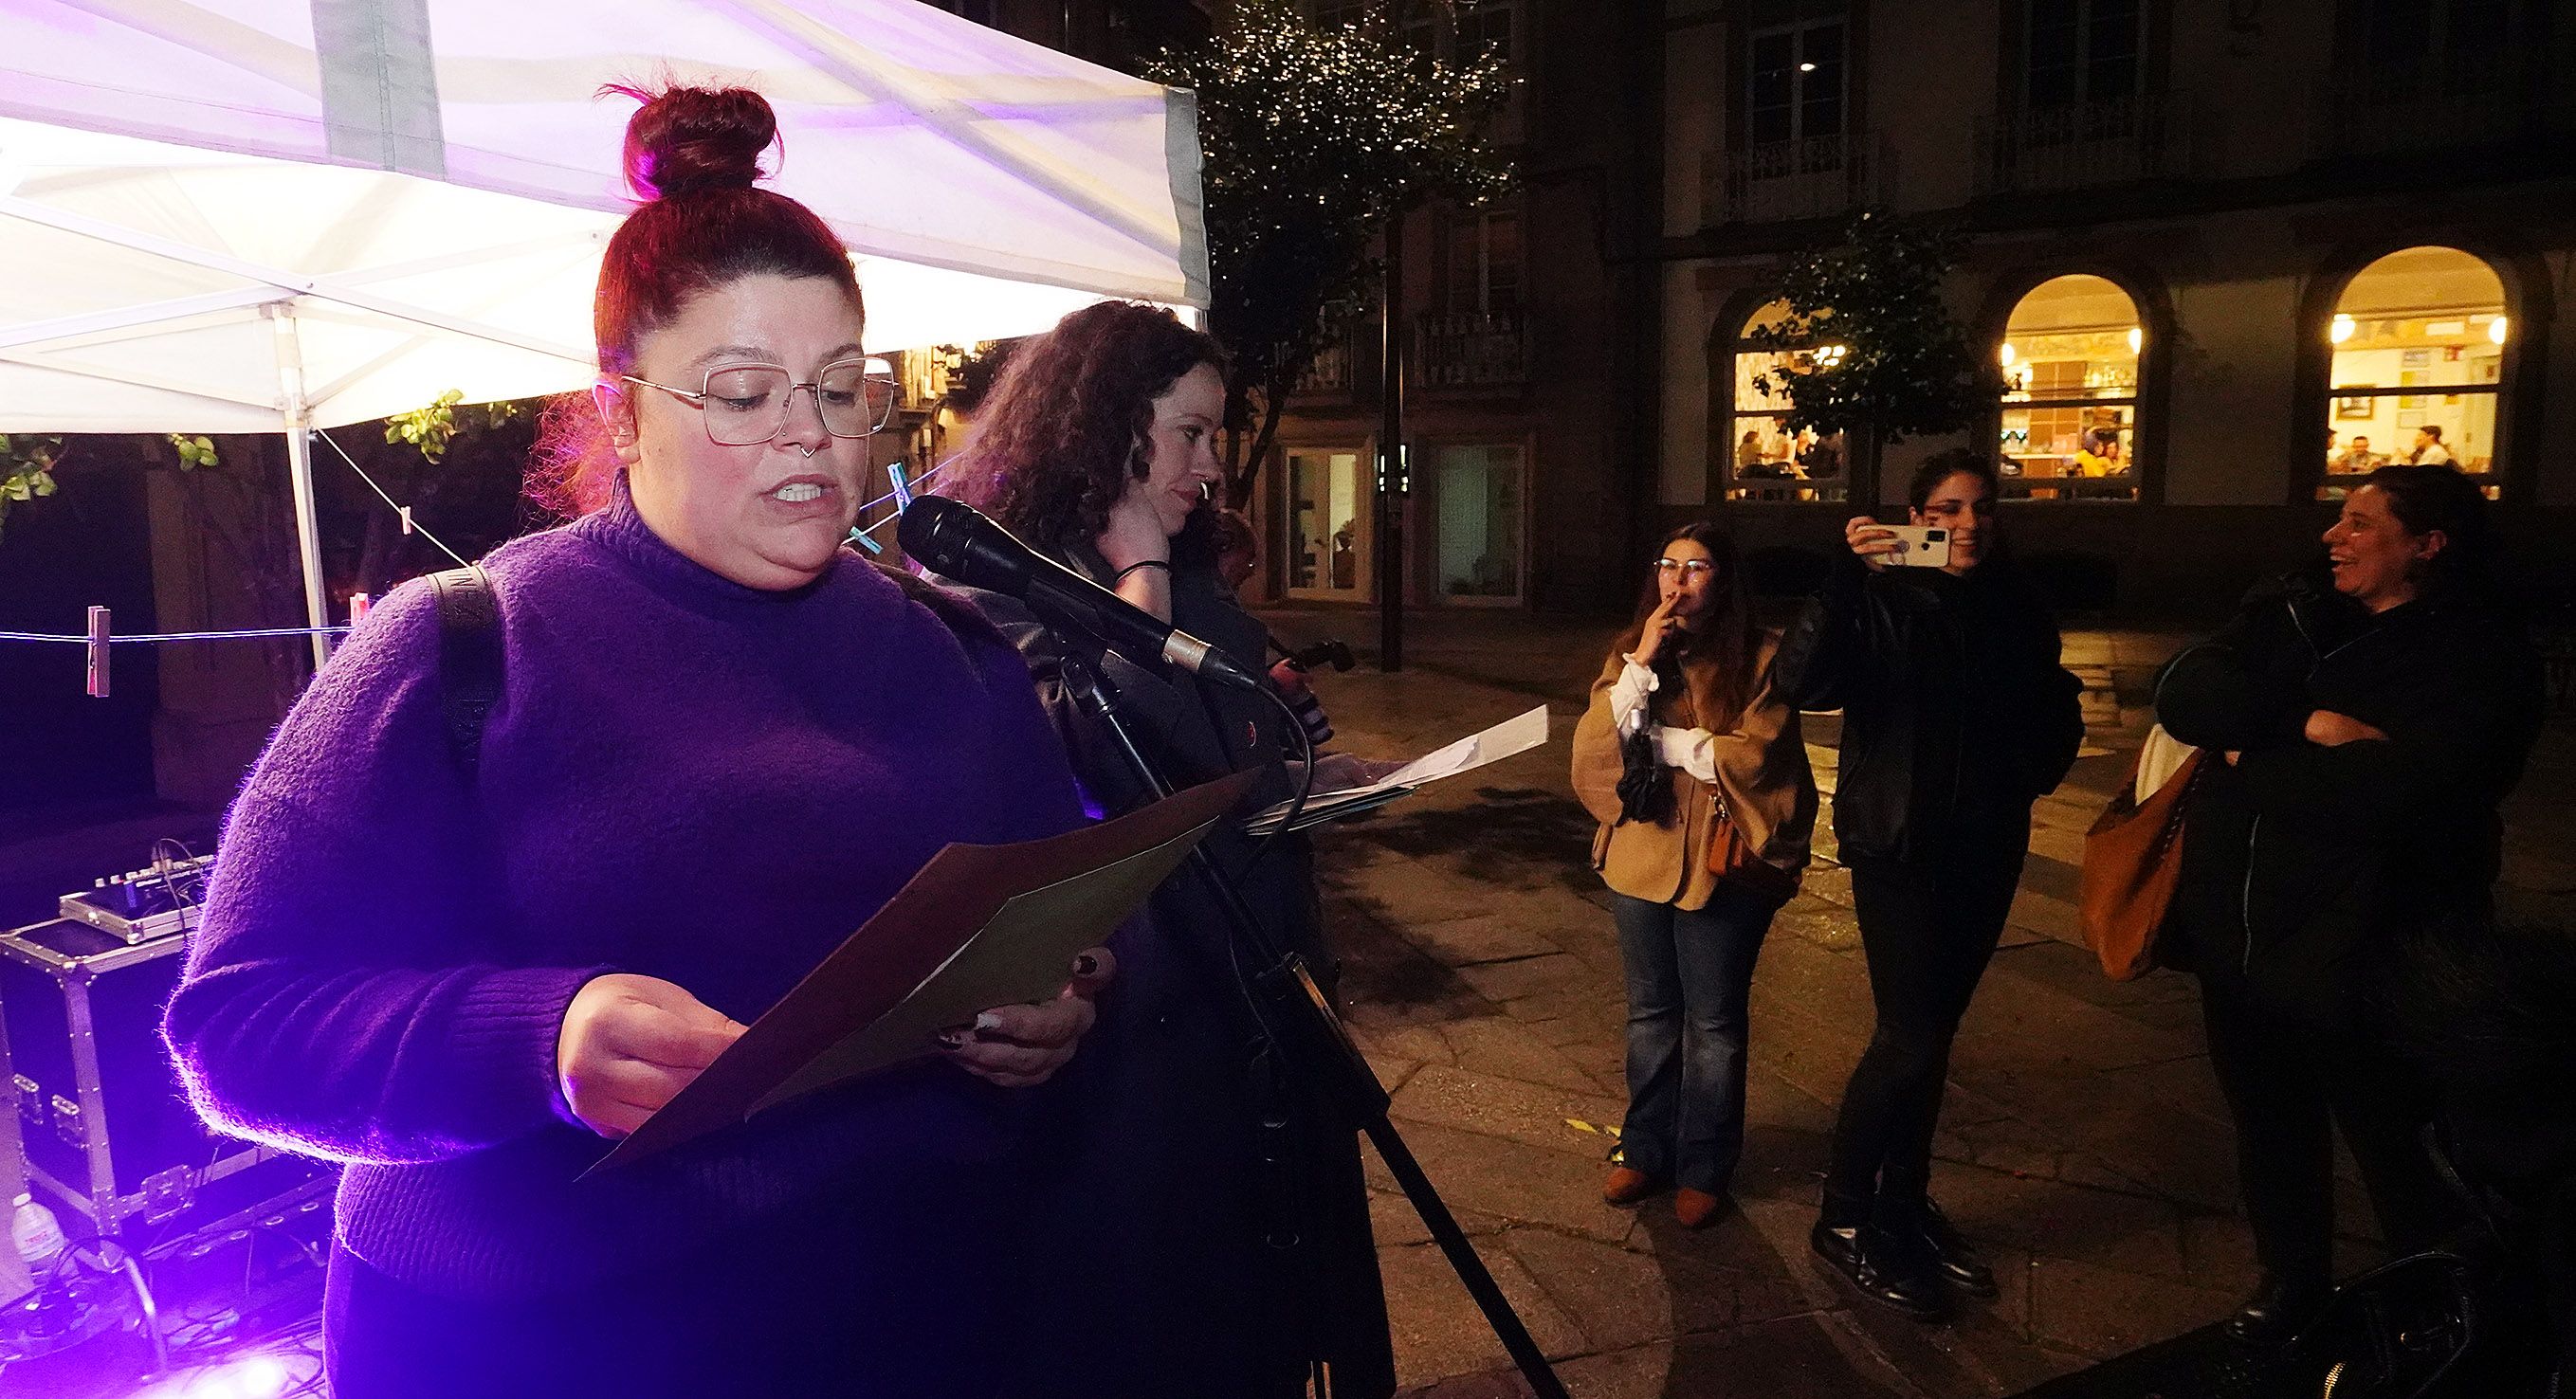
[(685, 778)]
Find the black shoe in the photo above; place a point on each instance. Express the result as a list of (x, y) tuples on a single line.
[(1952, 1256), (1884, 1269), (2279, 1310)]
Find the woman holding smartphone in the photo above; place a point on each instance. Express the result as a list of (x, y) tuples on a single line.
[(1685, 757), (1956, 717)]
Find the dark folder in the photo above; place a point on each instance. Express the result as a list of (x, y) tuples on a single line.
[(979, 926)]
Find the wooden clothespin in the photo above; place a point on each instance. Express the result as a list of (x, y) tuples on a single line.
[(406, 519), (98, 674), (358, 604)]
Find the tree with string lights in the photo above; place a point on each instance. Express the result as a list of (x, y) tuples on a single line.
[(1314, 139)]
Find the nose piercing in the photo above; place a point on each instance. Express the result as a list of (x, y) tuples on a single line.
[(808, 451)]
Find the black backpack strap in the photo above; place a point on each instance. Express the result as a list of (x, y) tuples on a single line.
[(469, 659)]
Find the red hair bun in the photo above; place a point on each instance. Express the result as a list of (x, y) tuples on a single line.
[(685, 140)]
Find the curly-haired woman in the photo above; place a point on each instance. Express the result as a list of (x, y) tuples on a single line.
[(1247, 1243)]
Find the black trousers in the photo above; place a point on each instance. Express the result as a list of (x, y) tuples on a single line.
[(1928, 927), (2288, 1083)]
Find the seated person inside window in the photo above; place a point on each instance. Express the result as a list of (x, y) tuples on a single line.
[(2358, 457), (2099, 455)]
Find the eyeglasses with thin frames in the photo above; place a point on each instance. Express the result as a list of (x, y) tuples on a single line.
[(1688, 568), (743, 405)]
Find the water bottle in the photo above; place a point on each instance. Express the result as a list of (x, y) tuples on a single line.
[(38, 1237)]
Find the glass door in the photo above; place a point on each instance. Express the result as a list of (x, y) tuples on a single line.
[(1332, 508), (1479, 545)]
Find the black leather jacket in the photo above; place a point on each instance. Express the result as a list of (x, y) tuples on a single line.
[(1956, 713)]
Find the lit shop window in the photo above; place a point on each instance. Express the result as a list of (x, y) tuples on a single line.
[(1763, 459), (2070, 358), (2419, 342)]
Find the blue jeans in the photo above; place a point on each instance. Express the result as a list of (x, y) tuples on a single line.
[(1689, 977)]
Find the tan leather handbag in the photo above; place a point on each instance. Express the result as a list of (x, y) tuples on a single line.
[(1733, 860), (2132, 861)]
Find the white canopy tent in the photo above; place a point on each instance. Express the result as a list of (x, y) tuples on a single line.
[(280, 215)]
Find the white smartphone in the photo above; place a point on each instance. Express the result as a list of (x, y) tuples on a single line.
[(1920, 546)]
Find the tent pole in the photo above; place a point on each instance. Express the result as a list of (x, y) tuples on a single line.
[(308, 534), (299, 476)]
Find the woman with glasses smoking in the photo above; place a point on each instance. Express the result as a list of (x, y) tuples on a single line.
[(1696, 772), (723, 742)]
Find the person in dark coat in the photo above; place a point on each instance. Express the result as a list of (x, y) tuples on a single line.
[(2370, 718), (1239, 1255), (1956, 717)]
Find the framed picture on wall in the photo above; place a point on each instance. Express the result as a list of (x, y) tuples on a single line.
[(2415, 359), (2487, 370), (2355, 406), (2410, 400), (2412, 417)]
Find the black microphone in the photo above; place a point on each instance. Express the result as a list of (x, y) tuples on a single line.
[(953, 538)]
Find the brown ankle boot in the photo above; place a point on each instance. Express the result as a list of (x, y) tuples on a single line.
[(1627, 1185), (1697, 1209)]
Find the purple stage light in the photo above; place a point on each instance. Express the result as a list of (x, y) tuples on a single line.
[(259, 1376)]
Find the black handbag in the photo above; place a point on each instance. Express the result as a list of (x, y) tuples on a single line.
[(1645, 784)]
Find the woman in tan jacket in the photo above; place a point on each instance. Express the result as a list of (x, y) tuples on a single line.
[(1700, 782)]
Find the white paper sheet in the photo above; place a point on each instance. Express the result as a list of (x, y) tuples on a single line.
[(1515, 735)]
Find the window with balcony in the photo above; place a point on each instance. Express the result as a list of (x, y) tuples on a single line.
[(1478, 335), (1482, 29), (2420, 339), (2424, 74), (2082, 51), (1795, 89), (2070, 357), (1483, 272), (1760, 457), (1794, 152), (2082, 108)]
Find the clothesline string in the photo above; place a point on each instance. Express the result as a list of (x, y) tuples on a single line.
[(178, 635), (256, 632)]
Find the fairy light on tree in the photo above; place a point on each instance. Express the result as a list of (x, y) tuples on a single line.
[(1313, 138)]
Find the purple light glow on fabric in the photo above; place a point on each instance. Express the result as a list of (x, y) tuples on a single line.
[(250, 1377)]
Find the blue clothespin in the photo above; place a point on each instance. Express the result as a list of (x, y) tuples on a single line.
[(902, 487), (860, 538)]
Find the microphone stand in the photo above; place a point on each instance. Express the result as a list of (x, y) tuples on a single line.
[(1309, 1039)]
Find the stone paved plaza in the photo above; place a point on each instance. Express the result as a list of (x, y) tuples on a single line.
[(2084, 1139)]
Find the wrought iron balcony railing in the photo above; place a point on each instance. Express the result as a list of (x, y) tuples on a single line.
[(1809, 178), (1472, 350), (2087, 145)]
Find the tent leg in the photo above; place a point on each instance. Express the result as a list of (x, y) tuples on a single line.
[(308, 533)]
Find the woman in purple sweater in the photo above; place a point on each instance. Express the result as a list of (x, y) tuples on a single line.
[(723, 742)]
